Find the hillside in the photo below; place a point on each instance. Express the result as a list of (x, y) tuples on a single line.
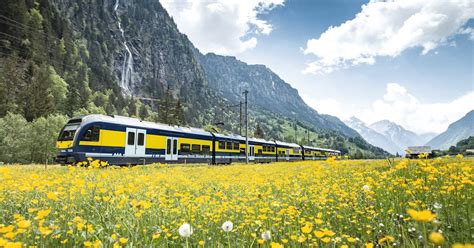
[(129, 58), (267, 90), (458, 130)]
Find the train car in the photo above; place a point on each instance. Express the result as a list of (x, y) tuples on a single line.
[(231, 148), (123, 140), (228, 148), (315, 153), (288, 151), (262, 151)]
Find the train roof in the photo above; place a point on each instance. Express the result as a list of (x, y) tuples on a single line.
[(242, 138), (146, 124), (320, 149), (281, 143)]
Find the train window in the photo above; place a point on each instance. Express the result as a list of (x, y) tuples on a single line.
[(91, 134), (236, 146), (175, 147), (206, 149), (68, 132), (228, 146), (259, 152), (141, 139), (185, 147), (168, 146), (131, 138), (273, 149), (242, 150), (221, 145), (196, 148)]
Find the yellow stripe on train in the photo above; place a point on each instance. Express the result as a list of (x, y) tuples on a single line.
[(64, 144)]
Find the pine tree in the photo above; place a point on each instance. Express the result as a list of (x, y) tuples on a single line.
[(37, 98), (165, 107), (143, 112), (12, 80), (259, 132), (132, 108), (178, 114)]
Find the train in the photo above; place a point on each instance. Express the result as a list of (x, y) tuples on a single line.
[(121, 140)]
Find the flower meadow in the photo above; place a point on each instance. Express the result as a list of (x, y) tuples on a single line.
[(333, 203)]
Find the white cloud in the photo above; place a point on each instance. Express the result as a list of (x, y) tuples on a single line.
[(387, 28), (328, 106), (401, 107), (225, 27)]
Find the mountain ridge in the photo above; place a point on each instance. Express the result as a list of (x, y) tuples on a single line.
[(458, 130), (230, 76), (373, 137)]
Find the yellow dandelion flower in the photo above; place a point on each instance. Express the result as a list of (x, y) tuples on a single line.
[(13, 245), (326, 239), (43, 214), (307, 228), (24, 224), (52, 196), (276, 245), (422, 216), (386, 239), (436, 238), (123, 240)]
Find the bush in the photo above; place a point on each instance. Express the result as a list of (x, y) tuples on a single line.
[(29, 142)]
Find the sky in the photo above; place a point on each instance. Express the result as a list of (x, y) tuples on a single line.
[(407, 61)]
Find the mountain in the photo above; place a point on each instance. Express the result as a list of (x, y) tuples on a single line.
[(425, 137), (129, 58), (373, 137), (397, 134), (267, 90), (459, 130)]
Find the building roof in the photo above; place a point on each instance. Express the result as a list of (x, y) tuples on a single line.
[(418, 149)]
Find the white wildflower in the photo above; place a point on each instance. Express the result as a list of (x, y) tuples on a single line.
[(185, 230), (227, 226), (266, 235)]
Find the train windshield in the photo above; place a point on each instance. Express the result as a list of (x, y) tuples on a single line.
[(68, 132)]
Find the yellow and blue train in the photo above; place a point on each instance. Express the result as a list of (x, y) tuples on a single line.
[(123, 141)]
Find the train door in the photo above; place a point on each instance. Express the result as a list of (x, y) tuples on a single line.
[(171, 151), (141, 143), (251, 153), (135, 142), (287, 153)]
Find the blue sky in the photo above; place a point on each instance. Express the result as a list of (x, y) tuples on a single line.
[(409, 63)]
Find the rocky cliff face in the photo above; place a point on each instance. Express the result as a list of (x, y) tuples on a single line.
[(138, 42), (267, 90)]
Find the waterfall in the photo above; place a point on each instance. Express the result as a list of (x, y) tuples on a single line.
[(127, 68)]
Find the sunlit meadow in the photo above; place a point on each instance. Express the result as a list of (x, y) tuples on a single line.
[(400, 203)]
